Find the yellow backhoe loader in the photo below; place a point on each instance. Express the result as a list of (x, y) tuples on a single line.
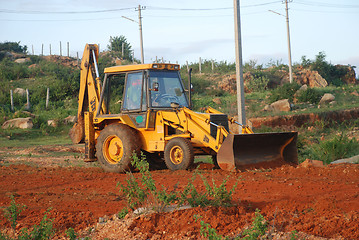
[(155, 117)]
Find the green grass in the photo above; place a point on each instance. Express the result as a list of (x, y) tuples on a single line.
[(34, 137)]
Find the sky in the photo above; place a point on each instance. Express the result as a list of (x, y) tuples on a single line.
[(180, 31)]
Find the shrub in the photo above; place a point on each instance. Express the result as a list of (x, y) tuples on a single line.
[(138, 195), (286, 91), (259, 227), (310, 95), (213, 196), (207, 231), (258, 84), (13, 211), (337, 148)]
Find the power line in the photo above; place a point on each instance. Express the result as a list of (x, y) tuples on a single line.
[(129, 8), (210, 9), (321, 4), (64, 12)]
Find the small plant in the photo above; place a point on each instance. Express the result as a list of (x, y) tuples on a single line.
[(122, 214), (294, 235), (40, 232), (207, 231), (214, 196), (71, 234), (138, 195), (13, 211), (259, 227)]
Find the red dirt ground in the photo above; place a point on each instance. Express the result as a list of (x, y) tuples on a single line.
[(317, 201)]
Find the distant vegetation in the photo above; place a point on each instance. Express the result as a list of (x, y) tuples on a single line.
[(264, 84)]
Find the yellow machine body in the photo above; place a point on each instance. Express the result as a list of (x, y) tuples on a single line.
[(169, 130)]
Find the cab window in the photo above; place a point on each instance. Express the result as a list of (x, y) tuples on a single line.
[(132, 99), (166, 87)]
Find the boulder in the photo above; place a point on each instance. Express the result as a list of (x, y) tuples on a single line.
[(70, 119), (279, 106), (311, 163), (354, 159), (311, 78), (24, 123), (22, 60), (349, 77), (52, 123), (326, 99), (228, 84), (20, 91)]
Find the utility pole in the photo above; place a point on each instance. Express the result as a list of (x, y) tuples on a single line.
[(239, 63), (141, 37), (288, 38), (140, 26)]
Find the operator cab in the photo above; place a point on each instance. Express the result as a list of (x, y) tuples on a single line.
[(155, 86), (146, 88)]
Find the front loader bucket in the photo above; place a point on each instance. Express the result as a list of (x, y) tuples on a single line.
[(258, 150)]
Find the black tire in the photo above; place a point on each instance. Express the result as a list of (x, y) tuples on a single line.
[(115, 147), (179, 154)]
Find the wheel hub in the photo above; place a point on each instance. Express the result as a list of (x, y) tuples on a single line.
[(113, 149), (176, 155)]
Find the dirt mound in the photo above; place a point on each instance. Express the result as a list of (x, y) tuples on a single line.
[(316, 201)]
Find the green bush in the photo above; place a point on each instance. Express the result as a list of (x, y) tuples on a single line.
[(286, 91), (310, 95), (336, 148), (258, 84)]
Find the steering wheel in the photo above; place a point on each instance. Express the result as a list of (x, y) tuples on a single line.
[(167, 97)]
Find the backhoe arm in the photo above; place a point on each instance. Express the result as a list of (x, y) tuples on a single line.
[(90, 90)]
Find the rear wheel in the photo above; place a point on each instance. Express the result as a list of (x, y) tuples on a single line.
[(115, 146), (179, 154)]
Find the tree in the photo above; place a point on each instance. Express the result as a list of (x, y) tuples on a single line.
[(116, 46), (13, 47)]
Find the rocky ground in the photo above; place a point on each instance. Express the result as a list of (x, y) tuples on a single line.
[(317, 202)]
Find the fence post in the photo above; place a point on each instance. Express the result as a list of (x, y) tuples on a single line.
[(42, 49), (32, 49), (60, 49), (47, 97), (11, 101), (212, 65), (50, 50), (123, 50), (77, 56), (27, 100), (68, 49), (200, 65)]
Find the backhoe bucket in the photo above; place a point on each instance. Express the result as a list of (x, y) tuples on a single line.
[(258, 150)]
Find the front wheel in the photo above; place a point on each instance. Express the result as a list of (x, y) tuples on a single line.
[(115, 147), (179, 154)]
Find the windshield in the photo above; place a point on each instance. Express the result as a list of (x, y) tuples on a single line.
[(166, 88)]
